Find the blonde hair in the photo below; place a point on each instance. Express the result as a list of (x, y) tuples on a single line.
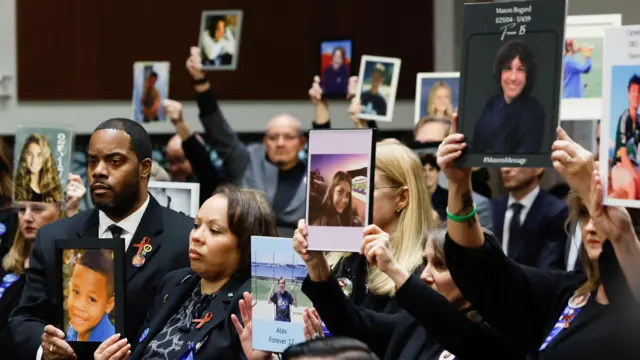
[(579, 213), (50, 186), (401, 167), (431, 103), (20, 251)]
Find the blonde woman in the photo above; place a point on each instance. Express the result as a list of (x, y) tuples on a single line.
[(401, 208), (31, 217), (439, 100), (37, 175)]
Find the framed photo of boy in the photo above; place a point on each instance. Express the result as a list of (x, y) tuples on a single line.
[(179, 196), (220, 39), (377, 85), (89, 291)]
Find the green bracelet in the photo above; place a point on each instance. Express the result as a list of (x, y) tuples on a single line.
[(463, 218)]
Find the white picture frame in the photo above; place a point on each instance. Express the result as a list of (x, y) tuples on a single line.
[(389, 90), (587, 26), (420, 99), (232, 36), (187, 196)]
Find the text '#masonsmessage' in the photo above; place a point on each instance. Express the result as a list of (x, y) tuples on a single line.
[(504, 160)]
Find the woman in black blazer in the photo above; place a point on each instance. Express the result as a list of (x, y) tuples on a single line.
[(437, 320), (558, 315), (191, 313)]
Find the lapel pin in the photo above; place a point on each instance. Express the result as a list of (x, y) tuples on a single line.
[(207, 317), (230, 294), (144, 247), (138, 260), (164, 299)]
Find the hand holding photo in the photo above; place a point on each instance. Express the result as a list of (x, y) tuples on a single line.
[(436, 95), (339, 188), (277, 273), (620, 127), (150, 89), (42, 162), (335, 67), (510, 82), (182, 197), (220, 39), (377, 85)]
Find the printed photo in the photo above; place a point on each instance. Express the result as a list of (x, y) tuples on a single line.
[(178, 196), (277, 272), (220, 39), (339, 188), (150, 88), (335, 67), (377, 85), (510, 82), (583, 66), (436, 95), (42, 164), (89, 296)]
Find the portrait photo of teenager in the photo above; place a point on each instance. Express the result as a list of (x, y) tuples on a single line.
[(377, 85), (220, 39), (150, 89), (436, 95), (335, 67)]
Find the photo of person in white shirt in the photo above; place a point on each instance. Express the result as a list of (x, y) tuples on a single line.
[(219, 40)]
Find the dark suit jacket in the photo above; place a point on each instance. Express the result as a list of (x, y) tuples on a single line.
[(9, 301), (543, 237), (37, 307), (218, 337), (429, 325)]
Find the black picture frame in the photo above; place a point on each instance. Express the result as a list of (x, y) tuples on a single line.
[(487, 24), (85, 349), (351, 66)]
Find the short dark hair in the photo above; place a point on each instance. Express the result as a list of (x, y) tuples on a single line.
[(153, 74), (560, 190), (282, 279), (342, 51), (100, 261), (340, 348), (248, 214), (140, 142), (635, 80), (429, 158), (213, 21), (516, 49)]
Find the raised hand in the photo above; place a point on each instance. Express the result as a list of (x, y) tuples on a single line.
[(194, 64), (355, 108), (173, 109), (245, 331), (375, 247), (449, 150), (352, 88), (317, 265), (573, 162), (53, 345), (113, 349), (614, 222), (312, 324), (74, 193), (315, 92)]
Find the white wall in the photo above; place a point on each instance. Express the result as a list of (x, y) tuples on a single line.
[(244, 116)]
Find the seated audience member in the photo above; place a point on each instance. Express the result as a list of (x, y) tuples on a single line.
[(272, 167), (190, 317), (529, 221), (437, 320), (590, 314), (189, 160), (31, 217), (118, 170), (8, 214), (158, 173), (401, 208), (438, 194)]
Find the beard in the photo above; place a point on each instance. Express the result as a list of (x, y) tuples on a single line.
[(123, 201)]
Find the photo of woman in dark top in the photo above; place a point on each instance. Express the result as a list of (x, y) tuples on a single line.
[(512, 121), (335, 78), (37, 176), (590, 314)]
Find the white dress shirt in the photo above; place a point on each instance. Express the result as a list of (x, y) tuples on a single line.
[(574, 248), (526, 203), (129, 226)]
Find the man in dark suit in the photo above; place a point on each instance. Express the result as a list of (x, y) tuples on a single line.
[(119, 166), (530, 221)]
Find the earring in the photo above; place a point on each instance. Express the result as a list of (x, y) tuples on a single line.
[(398, 210)]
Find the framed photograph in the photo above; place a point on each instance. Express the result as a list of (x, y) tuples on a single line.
[(339, 188), (42, 162), (277, 272), (436, 94), (220, 39), (182, 197), (620, 134), (510, 82), (377, 85), (150, 88), (336, 66), (583, 65), (90, 291)]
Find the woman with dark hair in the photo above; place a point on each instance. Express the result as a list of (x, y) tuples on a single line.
[(512, 121), (190, 317), (37, 176), (337, 208)]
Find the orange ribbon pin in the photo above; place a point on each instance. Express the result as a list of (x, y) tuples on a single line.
[(207, 317)]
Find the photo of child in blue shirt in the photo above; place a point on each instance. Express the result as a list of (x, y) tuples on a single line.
[(91, 297)]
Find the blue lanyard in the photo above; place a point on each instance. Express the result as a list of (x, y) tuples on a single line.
[(570, 312), (189, 354), (7, 281)]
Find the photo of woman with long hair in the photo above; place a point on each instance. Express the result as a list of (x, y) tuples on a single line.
[(37, 177), (439, 100), (337, 203)]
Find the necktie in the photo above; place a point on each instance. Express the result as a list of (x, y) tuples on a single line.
[(515, 226), (116, 231)]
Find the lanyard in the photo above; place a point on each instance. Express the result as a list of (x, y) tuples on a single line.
[(7, 281), (573, 308)]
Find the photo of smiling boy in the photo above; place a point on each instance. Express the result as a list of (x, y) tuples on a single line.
[(90, 300)]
